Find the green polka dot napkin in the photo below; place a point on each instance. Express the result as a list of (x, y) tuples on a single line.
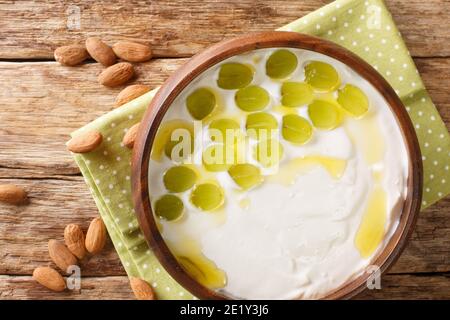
[(364, 27)]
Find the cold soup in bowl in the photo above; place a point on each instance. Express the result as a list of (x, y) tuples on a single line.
[(278, 173)]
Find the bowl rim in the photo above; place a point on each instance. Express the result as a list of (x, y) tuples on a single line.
[(213, 55)]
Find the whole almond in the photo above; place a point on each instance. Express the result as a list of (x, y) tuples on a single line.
[(132, 51), (141, 289), (116, 74), (85, 142), (60, 255), (12, 194), (100, 51), (130, 93), (74, 239), (49, 278), (130, 136), (71, 55), (95, 236)]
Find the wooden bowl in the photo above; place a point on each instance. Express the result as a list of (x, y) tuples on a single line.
[(214, 55)]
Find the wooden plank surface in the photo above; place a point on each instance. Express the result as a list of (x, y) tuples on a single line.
[(42, 102), (116, 287), (25, 230), (37, 94), (95, 288), (182, 28)]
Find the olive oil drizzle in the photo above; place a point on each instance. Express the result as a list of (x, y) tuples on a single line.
[(197, 265), (288, 174)]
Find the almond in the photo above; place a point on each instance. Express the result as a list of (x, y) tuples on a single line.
[(60, 255), (71, 55), (130, 136), (12, 194), (131, 93), (85, 142), (74, 239), (132, 51), (100, 51), (49, 278), (95, 236), (116, 74), (141, 289)]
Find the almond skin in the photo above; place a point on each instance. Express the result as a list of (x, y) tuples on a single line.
[(141, 289), (74, 239), (100, 51), (71, 55), (12, 194), (116, 74), (131, 93), (130, 136), (85, 142), (60, 255), (49, 278), (95, 236), (132, 51)]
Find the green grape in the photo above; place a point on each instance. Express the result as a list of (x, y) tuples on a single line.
[(252, 98), (353, 100), (234, 75), (295, 94), (296, 129), (218, 157), (179, 179), (281, 64), (269, 152), (245, 175), (260, 124), (321, 76), (169, 207), (324, 114), (184, 142), (207, 196), (223, 126), (201, 103)]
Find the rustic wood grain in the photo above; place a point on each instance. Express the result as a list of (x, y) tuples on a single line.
[(423, 254), (407, 287), (202, 62), (33, 29), (54, 203), (117, 287), (35, 95), (94, 288)]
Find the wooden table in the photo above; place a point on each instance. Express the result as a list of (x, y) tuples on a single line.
[(42, 102)]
